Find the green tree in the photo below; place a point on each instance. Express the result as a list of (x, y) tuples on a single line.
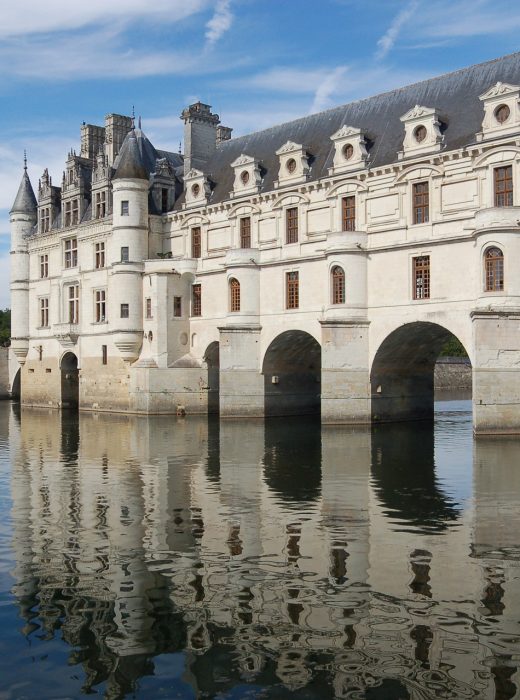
[(453, 348), (5, 326)]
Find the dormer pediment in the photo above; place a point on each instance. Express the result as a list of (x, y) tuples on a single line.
[(247, 175), (422, 132), (501, 111), (350, 150), (294, 163), (197, 188)]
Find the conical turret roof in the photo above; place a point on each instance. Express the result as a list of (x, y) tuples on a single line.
[(130, 162), (25, 202)]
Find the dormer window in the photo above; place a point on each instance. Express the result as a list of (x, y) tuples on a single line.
[(197, 188), (294, 163), (422, 132), (501, 111), (247, 175), (350, 150)]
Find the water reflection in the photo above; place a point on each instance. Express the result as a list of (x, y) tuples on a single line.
[(182, 558)]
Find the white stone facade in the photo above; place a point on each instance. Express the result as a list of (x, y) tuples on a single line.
[(410, 233)]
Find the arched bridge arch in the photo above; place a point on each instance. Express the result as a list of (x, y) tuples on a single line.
[(292, 374), (402, 373)]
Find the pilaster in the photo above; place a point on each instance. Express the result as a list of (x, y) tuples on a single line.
[(241, 382)]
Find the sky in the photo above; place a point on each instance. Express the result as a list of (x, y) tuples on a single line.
[(257, 62)]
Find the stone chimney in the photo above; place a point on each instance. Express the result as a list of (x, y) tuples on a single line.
[(116, 128), (223, 133), (92, 138), (200, 135)]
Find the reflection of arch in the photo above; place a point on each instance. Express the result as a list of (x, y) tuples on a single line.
[(292, 458), (402, 372), (15, 387), (403, 473), (212, 359), (69, 380), (292, 374)]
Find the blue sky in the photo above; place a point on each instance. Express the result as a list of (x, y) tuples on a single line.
[(257, 62)]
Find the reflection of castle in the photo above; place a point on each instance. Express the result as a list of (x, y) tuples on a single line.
[(136, 539)]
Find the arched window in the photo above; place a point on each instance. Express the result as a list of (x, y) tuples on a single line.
[(338, 285), (494, 270), (234, 291)]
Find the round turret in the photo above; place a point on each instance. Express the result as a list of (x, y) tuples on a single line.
[(23, 217)]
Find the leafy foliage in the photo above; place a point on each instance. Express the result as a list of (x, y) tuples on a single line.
[(453, 348), (5, 326)]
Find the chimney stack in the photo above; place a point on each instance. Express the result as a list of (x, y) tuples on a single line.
[(200, 135)]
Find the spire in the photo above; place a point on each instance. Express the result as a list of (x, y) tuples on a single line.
[(25, 202), (130, 163)]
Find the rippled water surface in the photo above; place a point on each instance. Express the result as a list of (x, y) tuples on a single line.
[(176, 558)]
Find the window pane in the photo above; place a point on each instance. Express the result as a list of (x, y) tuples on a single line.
[(291, 225), (421, 277), (421, 203)]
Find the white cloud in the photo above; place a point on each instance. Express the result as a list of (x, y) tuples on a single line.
[(327, 88), (286, 79), (220, 23), (34, 16), (387, 41), (467, 18)]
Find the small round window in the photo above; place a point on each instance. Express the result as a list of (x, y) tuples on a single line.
[(502, 113), (195, 190), (420, 133), (348, 151), (244, 177), (291, 165)]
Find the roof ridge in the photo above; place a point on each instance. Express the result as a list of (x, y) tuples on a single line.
[(394, 91)]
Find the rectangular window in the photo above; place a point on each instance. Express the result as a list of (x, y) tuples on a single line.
[(100, 305), (44, 312), (292, 293), (196, 242), (196, 300), (71, 252), (45, 220), (44, 266), (125, 256), (164, 200), (125, 211), (421, 203), (75, 212), (73, 301), (101, 205), (245, 232), (421, 277), (68, 210), (348, 213), (177, 307), (291, 223), (504, 186), (148, 307), (100, 255), (125, 311)]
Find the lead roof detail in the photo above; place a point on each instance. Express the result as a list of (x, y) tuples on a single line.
[(25, 201)]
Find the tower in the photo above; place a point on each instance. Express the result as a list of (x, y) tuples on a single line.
[(23, 217)]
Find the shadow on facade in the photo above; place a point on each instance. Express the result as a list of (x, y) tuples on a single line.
[(402, 376), (292, 375), (212, 359)]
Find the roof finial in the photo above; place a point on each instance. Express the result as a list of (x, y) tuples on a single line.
[(133, 117), (25, 160), (139, 121), (180, 147)]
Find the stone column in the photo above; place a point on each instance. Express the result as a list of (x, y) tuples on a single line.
[(496, 371), (241, 381), (345, 380)]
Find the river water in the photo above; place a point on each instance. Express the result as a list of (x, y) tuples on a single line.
[(175, 558)]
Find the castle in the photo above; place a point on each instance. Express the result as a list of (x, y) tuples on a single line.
[(319, 265)]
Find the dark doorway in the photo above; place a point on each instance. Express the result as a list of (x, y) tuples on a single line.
[(292, 375), (69, 381)]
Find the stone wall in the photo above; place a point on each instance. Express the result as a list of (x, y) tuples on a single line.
[(4, 373), (452, 373)]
